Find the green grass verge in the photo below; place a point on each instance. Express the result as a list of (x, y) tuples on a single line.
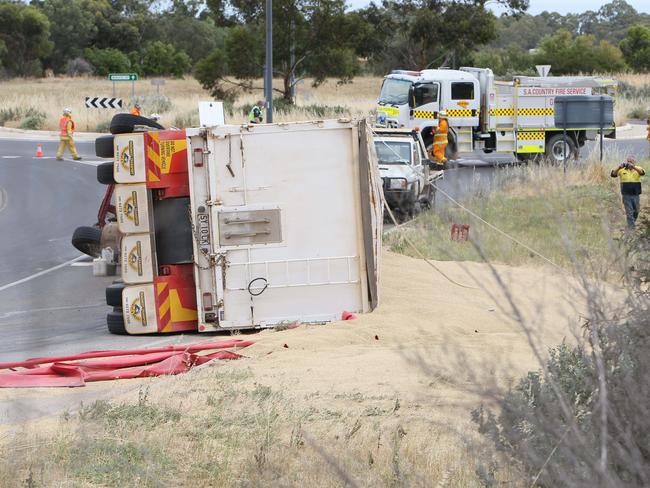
[(569, 219)]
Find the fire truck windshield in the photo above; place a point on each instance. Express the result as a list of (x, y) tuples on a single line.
[(395, 91)]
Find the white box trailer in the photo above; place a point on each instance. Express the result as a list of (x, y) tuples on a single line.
[(251, 226)]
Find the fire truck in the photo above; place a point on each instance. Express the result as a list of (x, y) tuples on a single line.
[(234, 227), (516, 116)]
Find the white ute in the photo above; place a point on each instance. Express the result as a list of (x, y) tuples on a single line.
[(407, 175)]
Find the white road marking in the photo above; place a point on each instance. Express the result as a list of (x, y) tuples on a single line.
[(82, 263), (90, 162), (50, 309), (41, 273), (3, 199), (10, 157)]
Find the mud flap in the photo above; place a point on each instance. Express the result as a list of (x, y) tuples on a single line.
[(137, 259), (139, 309), (129, 158), (132, 208)]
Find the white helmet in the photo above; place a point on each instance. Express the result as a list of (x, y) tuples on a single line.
[(67, 110), (442, 113), (155, 117)]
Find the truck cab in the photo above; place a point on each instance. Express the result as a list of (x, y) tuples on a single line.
[(407, 175), (413, 99)]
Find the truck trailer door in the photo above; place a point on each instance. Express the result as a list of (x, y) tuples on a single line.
[(279, 212)]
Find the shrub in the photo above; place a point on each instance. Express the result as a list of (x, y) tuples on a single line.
[(9, 114), (78, 67), (159, 58), (107, 60), (552, 424), (154, 103), (34, 119)]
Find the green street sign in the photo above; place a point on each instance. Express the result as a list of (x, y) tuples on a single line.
[(123, 77)]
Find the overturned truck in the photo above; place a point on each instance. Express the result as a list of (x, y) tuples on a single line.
[(237, 227)]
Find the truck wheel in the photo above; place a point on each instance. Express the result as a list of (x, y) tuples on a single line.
[(87, 240), (104, 147), (105, 174), (114, 295), (555, 149), (115, 323), (127, 123)]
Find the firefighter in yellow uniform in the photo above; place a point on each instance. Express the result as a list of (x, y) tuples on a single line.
[(66, 131), (440, 138), (630, 175), (136, 110)]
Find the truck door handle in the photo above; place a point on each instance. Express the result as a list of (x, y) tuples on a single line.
[(228, 235), (247, 221)]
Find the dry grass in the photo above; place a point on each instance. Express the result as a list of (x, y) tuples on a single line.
[(218, 428), (577, 216), (355, 99), (53, 94)]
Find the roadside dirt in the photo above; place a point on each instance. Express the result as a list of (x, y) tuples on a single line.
[(429, 340)]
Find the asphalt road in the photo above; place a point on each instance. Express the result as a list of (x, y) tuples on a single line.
[(50, 304)]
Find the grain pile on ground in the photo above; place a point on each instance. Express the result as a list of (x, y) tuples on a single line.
[(383, 400)]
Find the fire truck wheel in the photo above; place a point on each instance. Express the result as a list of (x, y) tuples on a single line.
[(105, 174), (87, 240), (114, 295), (555, 149), (115, 323), (104, 147), (127, 123)]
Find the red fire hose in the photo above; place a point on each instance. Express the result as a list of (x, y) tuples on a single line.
[(77, 370)]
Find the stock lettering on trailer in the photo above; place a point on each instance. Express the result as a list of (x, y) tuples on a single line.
[(204, 229)]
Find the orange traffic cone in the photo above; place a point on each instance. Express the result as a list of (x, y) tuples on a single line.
[(39, 151)]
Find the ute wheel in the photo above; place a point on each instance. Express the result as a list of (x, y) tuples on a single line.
[(114, 295), (115, 323), (555, 149), (87, 240), (104, 147), (127, 123), (105, 174)]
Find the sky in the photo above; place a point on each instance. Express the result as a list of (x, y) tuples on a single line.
[(561, 6)]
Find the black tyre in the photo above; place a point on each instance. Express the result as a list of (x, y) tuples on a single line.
[(556, 149), (105, 174), (173, 231), (127, 123), (115, 323), (104, 147), (114, 295), (87, 240)]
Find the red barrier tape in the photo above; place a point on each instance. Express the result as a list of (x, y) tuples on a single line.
[(134, 363)]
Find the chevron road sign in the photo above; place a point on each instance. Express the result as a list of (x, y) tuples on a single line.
[(103, 102)]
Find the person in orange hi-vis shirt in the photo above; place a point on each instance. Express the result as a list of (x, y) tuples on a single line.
[(136, 109), (66, 132), (440, 138)]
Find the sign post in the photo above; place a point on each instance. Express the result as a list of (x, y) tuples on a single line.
[(157, 82), (132, 77)]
